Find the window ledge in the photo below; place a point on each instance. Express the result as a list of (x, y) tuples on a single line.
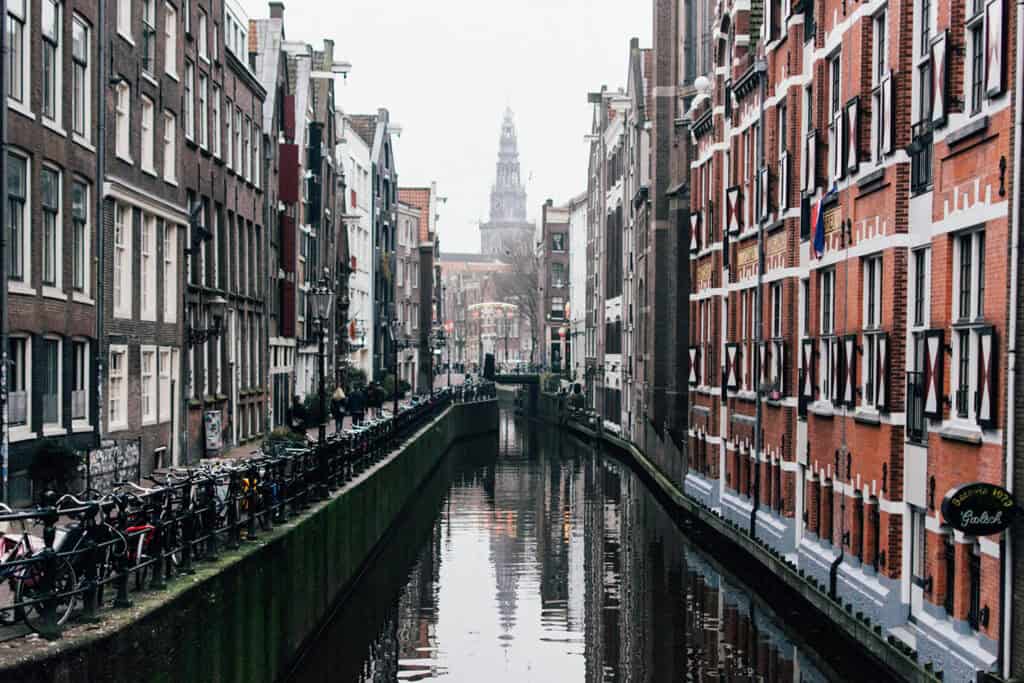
[(117, 427), (148, 421), (173, 75), (125, 37), (80, 426), (126, 159), (19, 287), (957, 430), (54, 126), (977, 124), (868, 416), (123, 315), (54, 293), (744, 395), (171, 181), (82, 142), (81, 298), (20, 433), (150, 172), (151, 79), (821, 409), (20, 108), (54, 430)]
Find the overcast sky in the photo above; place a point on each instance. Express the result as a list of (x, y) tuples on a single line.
[(447, 69)]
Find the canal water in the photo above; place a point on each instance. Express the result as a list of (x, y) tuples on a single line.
[(531, 557)]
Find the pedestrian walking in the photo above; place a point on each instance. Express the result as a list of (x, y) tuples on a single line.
[(357, 405), (338, 408)]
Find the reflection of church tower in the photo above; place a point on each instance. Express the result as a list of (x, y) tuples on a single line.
[(507, 229)]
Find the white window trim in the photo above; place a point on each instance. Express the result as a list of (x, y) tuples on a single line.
[(125, 309), (24, 432), (189, 104), (147, 268), (165, 375), (147, 138), (170, 160), (170, 41), (202, 37), (56, 290), (58, 80), (84, 296), (86, 139), (56, 428), (123, 151), (124, 20), (215, 122), (204, 111), (151, 417), (122, 398), (170, 284), (25, 106), (80, 425), (24, 286), (972, 326)]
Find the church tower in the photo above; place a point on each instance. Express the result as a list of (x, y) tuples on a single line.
[(508, 228)]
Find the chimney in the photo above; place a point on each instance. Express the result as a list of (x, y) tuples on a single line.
[(550, 202), (276, 9), (634, 43)]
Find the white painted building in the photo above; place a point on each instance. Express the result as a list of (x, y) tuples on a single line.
[(578, 284), (354, 156)]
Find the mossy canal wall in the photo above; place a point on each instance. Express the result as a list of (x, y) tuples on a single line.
[(246, 616)]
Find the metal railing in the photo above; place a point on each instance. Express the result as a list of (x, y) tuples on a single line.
[(74, 555)]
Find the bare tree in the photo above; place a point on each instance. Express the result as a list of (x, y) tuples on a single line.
[(521, 286)]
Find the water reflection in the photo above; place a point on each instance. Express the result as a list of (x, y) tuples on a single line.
[(530, 558)]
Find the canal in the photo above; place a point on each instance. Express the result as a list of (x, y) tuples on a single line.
[(531, 557)]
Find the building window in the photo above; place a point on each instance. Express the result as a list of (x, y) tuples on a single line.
[(122, 261), (976, 50), (189, 105), (228, 139), (827, 293), (805, 290), (872, 275), (50, 389), (147, 268), (170, 40), (170, 276), (17, 194), (148, 135), (118, 387), (970, 275), (149, 35), (79, 236), (215, 122), (170, 160), (80, 381), (201, 35), (124, 18), (50, 199), (776, 310), (123, 122), (17, 54), (558, 275), (166, 374), (239, 150), (921, 258), (148, 385), (51, 58), (246, 157), (204, 130), (80, 86), (17, 400), (558, 241), (255, 156)]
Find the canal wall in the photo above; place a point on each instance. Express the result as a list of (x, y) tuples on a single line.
[(782, 579), (247, 616)]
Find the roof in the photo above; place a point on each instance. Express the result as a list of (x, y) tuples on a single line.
[(418, 197), (365, 126), (267, 35)]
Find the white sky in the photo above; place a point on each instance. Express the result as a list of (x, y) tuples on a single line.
[(446, 70)]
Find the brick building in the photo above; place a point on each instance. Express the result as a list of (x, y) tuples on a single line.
[(554, 286), (51, 218), (144, 236), (424, 281), (407, 288), (841, 385)]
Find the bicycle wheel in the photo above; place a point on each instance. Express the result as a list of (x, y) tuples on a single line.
[(28, 589)]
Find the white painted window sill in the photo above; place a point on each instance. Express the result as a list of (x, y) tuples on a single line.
[(50, 292), (151, 79), (79, 427), (125, 158), (125, 36), (22, 433), (54, 126), (960, 430), (81, 298), (82, 142), (821, 408), (173, 75), (19, 287), (54, 430), (117, 427), (20, 108)]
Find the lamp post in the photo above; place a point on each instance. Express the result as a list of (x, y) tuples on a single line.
[(322, 296), (396, 327), (448, 327)]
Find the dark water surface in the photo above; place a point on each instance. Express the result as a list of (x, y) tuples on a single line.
[(529, 557)]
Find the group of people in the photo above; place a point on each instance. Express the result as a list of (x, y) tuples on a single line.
[(359, 402)]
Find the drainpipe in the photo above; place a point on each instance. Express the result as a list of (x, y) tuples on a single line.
[(1006, 549), (101, 162), (4, 246)]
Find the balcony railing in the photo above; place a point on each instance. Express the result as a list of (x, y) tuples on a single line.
[(915, 407)]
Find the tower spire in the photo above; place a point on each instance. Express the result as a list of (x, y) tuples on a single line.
[(507, 228)]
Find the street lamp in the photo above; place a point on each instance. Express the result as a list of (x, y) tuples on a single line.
[(322, 298), (448, 327)]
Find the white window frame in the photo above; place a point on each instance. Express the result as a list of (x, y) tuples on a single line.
[(123, 215), (117, 396), (53, 289), (79, 343), (54, 428), (147, 267), (975, 29), (201, 37), (228, 139), (170, 41), (204, 111), (81, 98), (83, 292), (215, 122), (23, 18), (124, 20), (22, 284), (123, 123), (147, 127), (165, 374), (170, 275), (189, 104), (776, 309), (873, 277), (879, 22), (827, 329), (170, 149), (967, 328), (22, 432), (255, 138), (148, 385), (57, 43), (149, 34)]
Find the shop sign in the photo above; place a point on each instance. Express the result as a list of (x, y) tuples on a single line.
[(978, 509)]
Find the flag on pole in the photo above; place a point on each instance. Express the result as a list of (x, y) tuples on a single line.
[(819, 223)]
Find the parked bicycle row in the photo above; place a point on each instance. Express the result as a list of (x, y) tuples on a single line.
[(75, 554)]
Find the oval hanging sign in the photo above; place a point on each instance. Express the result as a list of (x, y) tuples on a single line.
[(978, 509)]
